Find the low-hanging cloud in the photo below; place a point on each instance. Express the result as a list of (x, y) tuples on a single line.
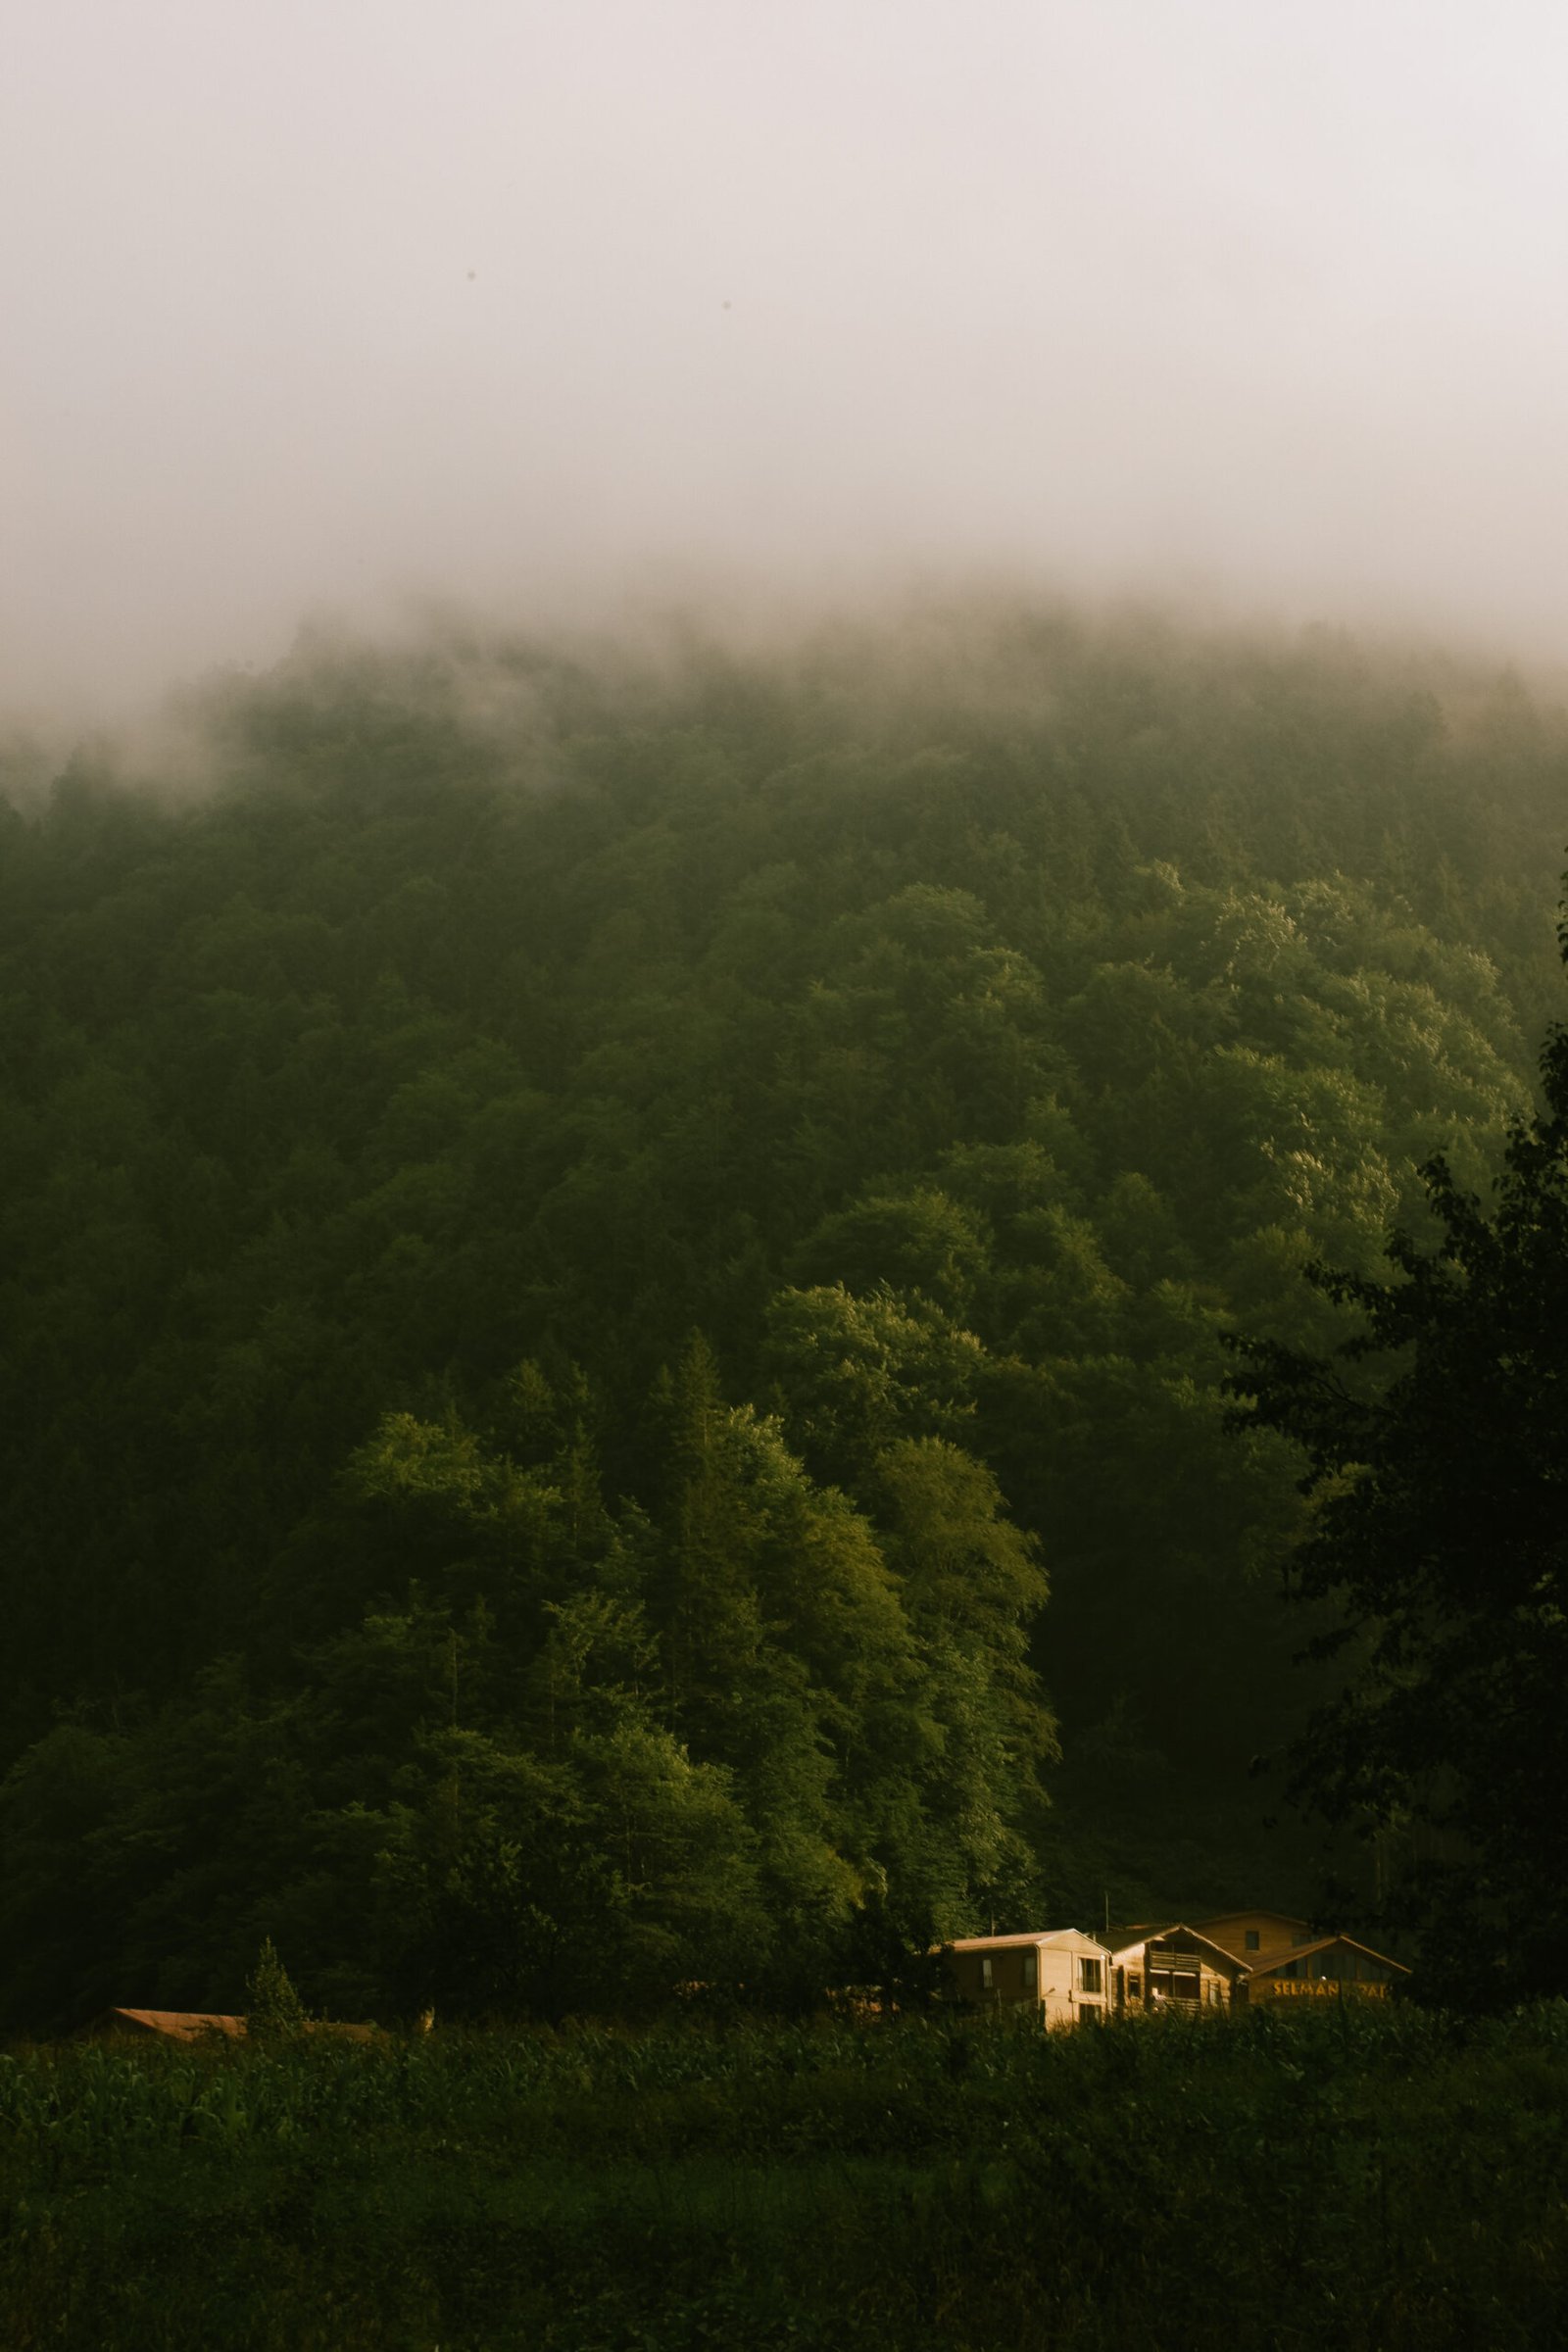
[(541, 303)]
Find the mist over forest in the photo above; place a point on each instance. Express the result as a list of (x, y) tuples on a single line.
[(618, 1260), (731, 822), (783, 1175)]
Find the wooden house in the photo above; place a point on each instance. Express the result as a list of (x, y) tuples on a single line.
[(1246, 1932), (1327, 1966), (1287, 1957), (1173, 1967), (1242, 1957), (1063, 1975)]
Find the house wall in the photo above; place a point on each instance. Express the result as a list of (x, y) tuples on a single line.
[(1152, 1980), (1069, 2001), (967, 1970), (1339, 1968), (1275, 1932), (1188, 1982), (1060, 1992)]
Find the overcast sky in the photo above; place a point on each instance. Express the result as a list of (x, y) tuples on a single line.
[(335, 302)]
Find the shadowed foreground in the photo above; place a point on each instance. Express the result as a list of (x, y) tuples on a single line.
[(1341, 2178)]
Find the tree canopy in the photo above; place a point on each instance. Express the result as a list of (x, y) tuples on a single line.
[(1438, 1441), (615, 1266)]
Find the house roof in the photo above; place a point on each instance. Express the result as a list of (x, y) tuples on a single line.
[(1250, 1911), (1054, 1937), (193, 2025), (1124, 1931), (1268, 1964), (1198, 1945), (179, 2025)]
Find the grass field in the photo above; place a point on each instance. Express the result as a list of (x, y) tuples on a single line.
[(1360, 2178)]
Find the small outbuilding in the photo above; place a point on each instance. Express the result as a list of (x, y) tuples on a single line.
[(198, 2025), (1062, 1973), (163, 2025)]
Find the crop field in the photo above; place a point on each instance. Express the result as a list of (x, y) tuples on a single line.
[(1346, 2177)]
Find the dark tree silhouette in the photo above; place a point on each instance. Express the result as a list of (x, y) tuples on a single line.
[(1438, 1440)]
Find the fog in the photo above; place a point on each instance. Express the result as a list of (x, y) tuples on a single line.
[(559, 305)]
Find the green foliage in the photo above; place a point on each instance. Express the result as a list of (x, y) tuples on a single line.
[(590, 1753), (962, 1028), (1436, 1439), (274, 2009), (828, 2184)]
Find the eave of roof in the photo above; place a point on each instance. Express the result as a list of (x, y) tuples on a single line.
[(1221, 1919), (184, 2025), (1160, 1936), (1044, 1936), (1268, 1964)]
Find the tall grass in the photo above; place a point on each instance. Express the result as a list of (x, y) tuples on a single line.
[(1358, 2177)]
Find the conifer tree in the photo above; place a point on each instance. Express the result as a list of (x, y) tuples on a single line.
[(276, 2009)]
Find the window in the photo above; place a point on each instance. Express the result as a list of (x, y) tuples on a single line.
[(985, 1972), (1175, 1984), (1253, 1939), (1135, 1986), (1031, 1970), (1089, 1975)]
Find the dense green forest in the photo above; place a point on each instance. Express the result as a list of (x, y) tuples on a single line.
[(617, 1272)]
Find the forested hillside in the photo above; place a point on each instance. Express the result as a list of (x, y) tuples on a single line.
[(615, 1276)]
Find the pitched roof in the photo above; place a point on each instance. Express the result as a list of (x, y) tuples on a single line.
[(194, 2024), (1143, 1937), (1221, 1919), (179, 2025), (1267, 1964)]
